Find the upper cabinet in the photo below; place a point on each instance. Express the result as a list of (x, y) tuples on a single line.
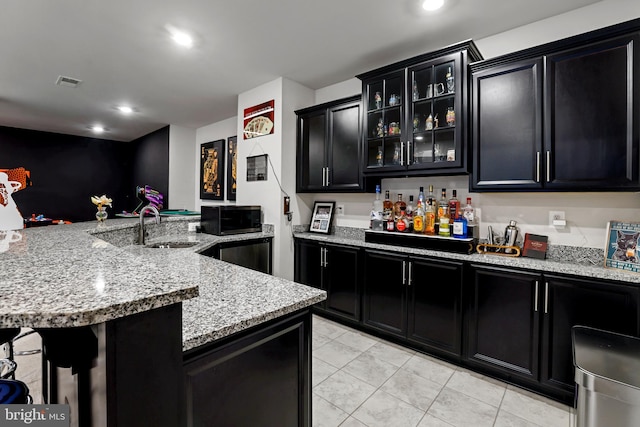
[(415, 114), (563, 116), (328, 158)]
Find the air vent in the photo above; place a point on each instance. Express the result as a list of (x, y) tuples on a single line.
[(68, 81)]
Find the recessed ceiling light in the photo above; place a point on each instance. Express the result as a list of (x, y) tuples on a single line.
[(125, 109), (432, 4), (182, 38), (97, 129)]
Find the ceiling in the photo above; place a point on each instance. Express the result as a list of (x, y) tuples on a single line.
[(122, 52)]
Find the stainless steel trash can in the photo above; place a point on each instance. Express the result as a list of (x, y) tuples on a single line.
[(608, 378)]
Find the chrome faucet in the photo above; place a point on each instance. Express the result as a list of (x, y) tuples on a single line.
[(141, 229)]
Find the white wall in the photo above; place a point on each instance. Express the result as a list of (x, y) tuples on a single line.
[(181, 180)]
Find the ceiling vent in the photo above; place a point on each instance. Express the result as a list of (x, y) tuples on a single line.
[(68, 81)]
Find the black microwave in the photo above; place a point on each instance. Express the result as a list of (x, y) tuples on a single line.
[(230, 219)]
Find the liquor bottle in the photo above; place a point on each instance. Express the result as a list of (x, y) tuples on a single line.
[(454, 206), (377, 212), (387, 211), (421, 198), (469, 213), (430, 218), (431, 196), (460, 227), (418, 218), (401, 221), (409, 213), (399, 205), (443, 215)]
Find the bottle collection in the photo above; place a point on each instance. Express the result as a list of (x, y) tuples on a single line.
[(444, 217)]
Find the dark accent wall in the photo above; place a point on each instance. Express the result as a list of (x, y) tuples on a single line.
[(151, 162), (67, 170)]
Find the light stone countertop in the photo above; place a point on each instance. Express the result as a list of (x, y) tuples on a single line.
[(355, 237), (79, 274)]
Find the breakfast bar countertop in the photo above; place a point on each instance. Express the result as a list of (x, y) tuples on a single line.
[(71, 275)]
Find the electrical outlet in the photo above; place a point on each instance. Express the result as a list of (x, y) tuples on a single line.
[(555, 216), (340, 210), (193, 226)]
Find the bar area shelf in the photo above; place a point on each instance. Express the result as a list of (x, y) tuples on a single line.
[(422, 241)]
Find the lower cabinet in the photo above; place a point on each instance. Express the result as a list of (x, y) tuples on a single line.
[(333, 268), (414, 298), (260, 377), (519, 323)]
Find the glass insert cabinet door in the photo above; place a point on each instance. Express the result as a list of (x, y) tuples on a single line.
[(433, 112), (385, 138)]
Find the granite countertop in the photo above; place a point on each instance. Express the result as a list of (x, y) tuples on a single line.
[(566, 260), (79, 274)]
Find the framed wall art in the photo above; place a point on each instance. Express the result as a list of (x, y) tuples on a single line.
[(258, 120), (621, 250), (322, 217), (232, 167), (212, 170), (257, 168)]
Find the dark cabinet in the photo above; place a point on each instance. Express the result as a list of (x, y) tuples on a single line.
[(414, 298), (562, 116), (569, 302), (503, 321), (519, 323), (415, 114), (258, 377), (328, 157), (333, 268)]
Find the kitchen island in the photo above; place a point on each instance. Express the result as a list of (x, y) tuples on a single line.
[(123, 325)]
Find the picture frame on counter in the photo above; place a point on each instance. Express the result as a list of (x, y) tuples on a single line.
[(621, 250), (212, 156), (322, 217)]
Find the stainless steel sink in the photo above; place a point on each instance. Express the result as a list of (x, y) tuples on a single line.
[(170, 245)]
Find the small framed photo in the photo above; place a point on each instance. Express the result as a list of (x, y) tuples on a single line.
[(622, 250), (322, 217)]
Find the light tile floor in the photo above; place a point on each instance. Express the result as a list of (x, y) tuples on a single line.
[(360, 380)]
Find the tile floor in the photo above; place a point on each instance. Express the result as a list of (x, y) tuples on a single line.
[(360, 380)]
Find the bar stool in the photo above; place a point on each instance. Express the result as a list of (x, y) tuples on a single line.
[(12, 391)]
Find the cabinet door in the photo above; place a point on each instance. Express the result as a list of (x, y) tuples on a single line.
[(507, 127), (308, 265), (384, 302), (383, 122), (591, 116), (435, 114), (344, 146), (435, 314), (504, 322), (570, 302), (312, 128), (341, 280)]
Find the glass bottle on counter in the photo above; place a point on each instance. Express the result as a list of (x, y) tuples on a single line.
[(421, 198), (401, 221), (387, 211), (409, 213), (430, 218), (419, 218), (377, 212), (399, 205), (443, 215), (469, 212), (454, 206), (460, 227)]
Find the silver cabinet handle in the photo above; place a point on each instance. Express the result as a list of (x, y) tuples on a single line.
[(404, 271), (328, 170), (402, 153), (324, 176), (537, 166), (321, 257), (409, 282), (408, 153), (546, 297), (548, 166), (535, 304)]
